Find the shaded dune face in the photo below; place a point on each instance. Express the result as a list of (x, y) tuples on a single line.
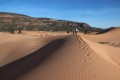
[(19, 67)]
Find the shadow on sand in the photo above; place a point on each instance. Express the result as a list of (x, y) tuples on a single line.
[(14, 70)]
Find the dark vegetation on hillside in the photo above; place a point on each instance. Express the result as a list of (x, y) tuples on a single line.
[(10, 22)]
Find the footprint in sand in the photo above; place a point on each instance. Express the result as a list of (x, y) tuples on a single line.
[(88, 55), (80, 41), (90, 58), (82, 44), (84, 61), (82, 47)]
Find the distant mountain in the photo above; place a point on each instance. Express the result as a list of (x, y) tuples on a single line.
[(8, 20)]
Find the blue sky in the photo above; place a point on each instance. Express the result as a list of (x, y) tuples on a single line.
[(97, 13)]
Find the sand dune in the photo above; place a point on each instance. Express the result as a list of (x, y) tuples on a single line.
[(61, 56), (65, 64), (110, 53), (15, 46), (22, 65), (109, 30), (110, 38)]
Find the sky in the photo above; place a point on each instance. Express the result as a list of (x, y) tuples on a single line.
[(97, 13)]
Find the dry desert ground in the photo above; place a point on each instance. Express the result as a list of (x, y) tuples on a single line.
[(60, 56)]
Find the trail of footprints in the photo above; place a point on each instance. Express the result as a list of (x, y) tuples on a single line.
[(84, 47)]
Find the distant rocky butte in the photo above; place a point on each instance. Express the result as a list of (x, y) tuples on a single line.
[(33, 23)]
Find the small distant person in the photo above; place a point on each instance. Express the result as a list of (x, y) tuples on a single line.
[(73, 32), (76, 30), (67, 32)]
